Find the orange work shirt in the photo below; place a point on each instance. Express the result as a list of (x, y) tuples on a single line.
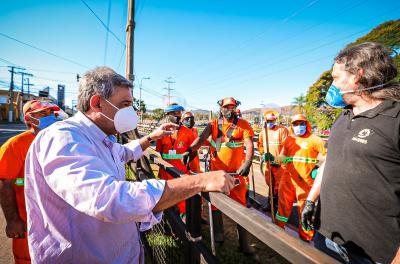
[(302, 153), (12, 165), (231, 155), (276, 138), (172, 147)]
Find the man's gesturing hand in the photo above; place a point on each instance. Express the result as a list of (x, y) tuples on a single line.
[(217, 181), (163, 130)]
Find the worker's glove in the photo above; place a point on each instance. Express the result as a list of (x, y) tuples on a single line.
[(314, 172), (268, 157), (307, 214), (187, 156), (245, 168), (281, 159)]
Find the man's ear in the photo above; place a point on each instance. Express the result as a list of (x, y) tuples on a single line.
[(358, 76), (95, 104)]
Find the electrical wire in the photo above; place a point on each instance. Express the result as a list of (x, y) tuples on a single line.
[(43, 50), (102, 23)]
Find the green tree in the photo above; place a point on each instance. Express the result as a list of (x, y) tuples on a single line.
[(142, 105), (158, 114), (299, 103)]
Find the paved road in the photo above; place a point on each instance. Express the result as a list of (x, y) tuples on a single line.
[(7, 131)]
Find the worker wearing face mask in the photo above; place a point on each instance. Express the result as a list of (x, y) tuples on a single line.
[(37, 116), (301, 153), (277, 135), (188, 121), (229, 137), (173, 146)]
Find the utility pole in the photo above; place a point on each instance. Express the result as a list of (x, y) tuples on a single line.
[(11, 93), (29, 86), (23, 74), (140, 97), (169, 89), (130, 28)]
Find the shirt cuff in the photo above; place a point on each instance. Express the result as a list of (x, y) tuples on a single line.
[(136, 151), (155, 189)]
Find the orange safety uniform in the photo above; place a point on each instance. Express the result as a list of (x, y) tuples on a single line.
[(171, 149), (195, 163), (231, 154), (296, 181), (12, 167), (276, 137)]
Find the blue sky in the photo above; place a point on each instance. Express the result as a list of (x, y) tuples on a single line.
[(256, 51)]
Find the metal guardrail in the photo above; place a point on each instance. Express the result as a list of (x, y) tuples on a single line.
[(289, 247)]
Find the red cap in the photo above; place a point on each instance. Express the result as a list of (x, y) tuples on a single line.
[(187, 114), (228, 101), (36, 106)]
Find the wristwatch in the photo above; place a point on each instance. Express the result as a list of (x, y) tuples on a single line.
[(149, 139)]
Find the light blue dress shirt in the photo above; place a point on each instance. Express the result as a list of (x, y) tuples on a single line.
[(80, 208)]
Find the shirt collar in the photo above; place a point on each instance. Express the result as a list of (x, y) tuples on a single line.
[(95, 131), (387, 108)]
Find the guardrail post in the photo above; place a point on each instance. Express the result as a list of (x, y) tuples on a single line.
[(193, 227)]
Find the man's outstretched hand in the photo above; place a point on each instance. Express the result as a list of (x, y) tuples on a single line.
[(163, 130)]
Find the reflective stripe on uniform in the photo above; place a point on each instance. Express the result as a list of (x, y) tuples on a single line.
[(281, 218), (274, 143), (20, 181), (300, 159), (228, 144), (171, 156)]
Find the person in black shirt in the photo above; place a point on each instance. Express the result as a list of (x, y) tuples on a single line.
[(359, 184)]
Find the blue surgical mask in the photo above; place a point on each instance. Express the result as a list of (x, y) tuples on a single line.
[(334, 97), (270, 125), (300, 130), (45, 121)]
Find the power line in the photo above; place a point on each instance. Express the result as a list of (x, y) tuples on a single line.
[(154, 92), (7, 62), (287, 39), (249, 41), (42, 50), (280, 60), (140, 10), (35, 69), (104, 25), (108, 25)]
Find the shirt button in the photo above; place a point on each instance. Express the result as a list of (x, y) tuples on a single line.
[(352, 120)]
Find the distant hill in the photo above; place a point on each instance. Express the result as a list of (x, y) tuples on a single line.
[(282, 110)]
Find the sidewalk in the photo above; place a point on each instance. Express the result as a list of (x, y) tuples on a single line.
[(6, 255)]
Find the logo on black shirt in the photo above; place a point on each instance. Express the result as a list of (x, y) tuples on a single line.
[(360, 138)]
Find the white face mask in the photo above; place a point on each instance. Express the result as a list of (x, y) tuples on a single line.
[(125, 119)]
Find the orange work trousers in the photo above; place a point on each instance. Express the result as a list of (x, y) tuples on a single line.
[(292, 187), (276, 172), (239, 192), (21, 250)]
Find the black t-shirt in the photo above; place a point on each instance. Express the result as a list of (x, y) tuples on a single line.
[(360, 191)]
